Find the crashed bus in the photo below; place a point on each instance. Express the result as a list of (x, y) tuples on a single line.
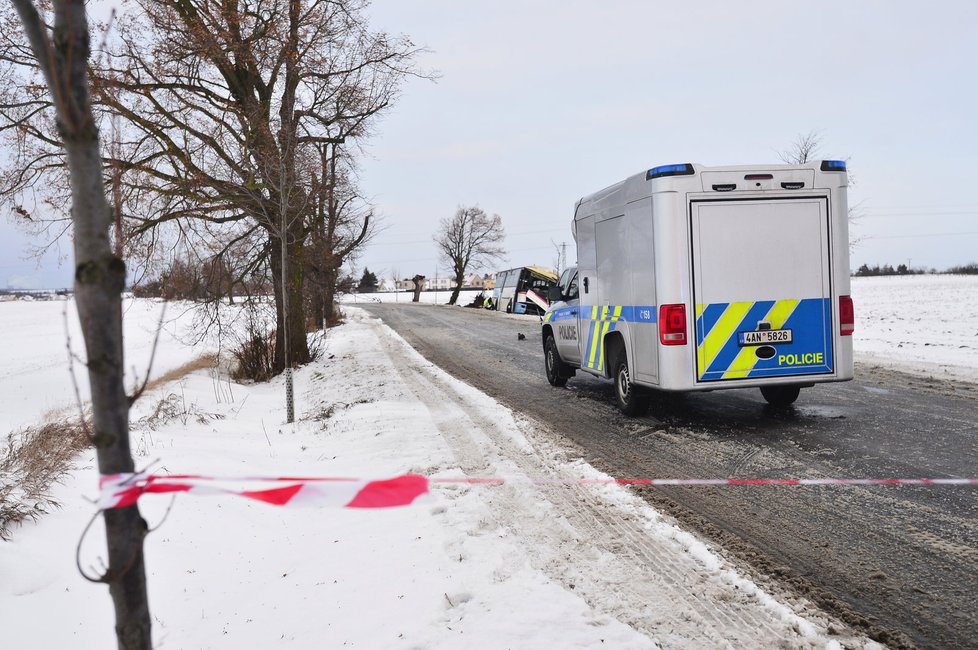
[(523, 290)]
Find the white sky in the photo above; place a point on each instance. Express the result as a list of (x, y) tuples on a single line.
[(541, 102)]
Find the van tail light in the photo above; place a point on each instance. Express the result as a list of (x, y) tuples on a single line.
[(847, 316), (672, 324)]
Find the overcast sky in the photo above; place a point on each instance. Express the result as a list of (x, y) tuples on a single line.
[(541, 102)]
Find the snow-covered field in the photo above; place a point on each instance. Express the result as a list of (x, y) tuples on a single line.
[(34, 372), (516, 565), (926, 324), (427, 297)]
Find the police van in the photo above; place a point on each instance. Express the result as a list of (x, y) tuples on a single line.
[(694, 278)]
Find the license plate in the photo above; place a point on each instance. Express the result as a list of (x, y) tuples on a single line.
[(764, 337)]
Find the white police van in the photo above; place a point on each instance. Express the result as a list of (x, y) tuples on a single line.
[(693, 278)]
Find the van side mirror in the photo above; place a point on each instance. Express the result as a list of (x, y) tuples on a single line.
[(554, 294)]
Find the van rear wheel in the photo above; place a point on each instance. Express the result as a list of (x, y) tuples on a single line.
[(780, 396), (632, 400)]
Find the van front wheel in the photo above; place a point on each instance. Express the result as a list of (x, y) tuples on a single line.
[(780, 396), (632, 400), (556, 372)]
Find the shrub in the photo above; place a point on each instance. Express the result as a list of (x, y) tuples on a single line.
[(254, 357), (478, 302), (151, 289)]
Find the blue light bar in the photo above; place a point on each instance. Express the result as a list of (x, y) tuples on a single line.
[(833, 165), (684, 169)]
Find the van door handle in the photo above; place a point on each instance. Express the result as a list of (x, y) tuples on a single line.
[(573, 312)]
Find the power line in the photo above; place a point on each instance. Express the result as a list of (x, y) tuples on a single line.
[(542, 247), (428, 241), (916, 214), (947, 206), (928, 234)]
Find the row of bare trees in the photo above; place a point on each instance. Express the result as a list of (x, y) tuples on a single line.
[(237, 128), (234, 124)]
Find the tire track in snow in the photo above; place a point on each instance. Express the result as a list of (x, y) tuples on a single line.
[(651, 583)]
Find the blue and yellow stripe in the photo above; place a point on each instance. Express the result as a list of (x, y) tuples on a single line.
[(720, 357), (595, 322), (602, 320)]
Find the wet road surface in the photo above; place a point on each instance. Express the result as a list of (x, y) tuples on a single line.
[(899, 563)]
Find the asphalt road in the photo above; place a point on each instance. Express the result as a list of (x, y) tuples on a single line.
[(899, 563)]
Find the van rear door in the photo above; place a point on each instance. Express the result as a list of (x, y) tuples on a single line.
[(761, 288)]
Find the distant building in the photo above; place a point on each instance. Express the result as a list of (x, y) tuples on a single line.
[(439, 284), (476, 281), (407, 284)]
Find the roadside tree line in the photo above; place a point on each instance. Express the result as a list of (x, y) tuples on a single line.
[(865, 270), (232, 135)]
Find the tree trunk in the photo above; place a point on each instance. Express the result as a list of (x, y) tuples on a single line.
[(331, 276), (316, 299), (100, 277), (459, 281), (291, 300), (315, 288), (320, 284), (99, 280), (418, 281), (289, 231)]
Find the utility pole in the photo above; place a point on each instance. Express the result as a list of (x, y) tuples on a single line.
[(563, 258), (283, 208), (285, 195), (289, 397), (117, 183)]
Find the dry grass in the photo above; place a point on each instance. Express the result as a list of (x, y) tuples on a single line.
[(200, 363), (35, 459), (38, 457)]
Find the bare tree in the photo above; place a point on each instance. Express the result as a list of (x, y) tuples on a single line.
[(340, 225), (396, 279), (804, 149), (468, 241), (62, 53), (418, 281)]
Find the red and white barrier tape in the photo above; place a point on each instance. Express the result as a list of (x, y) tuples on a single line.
[(122, 490)]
